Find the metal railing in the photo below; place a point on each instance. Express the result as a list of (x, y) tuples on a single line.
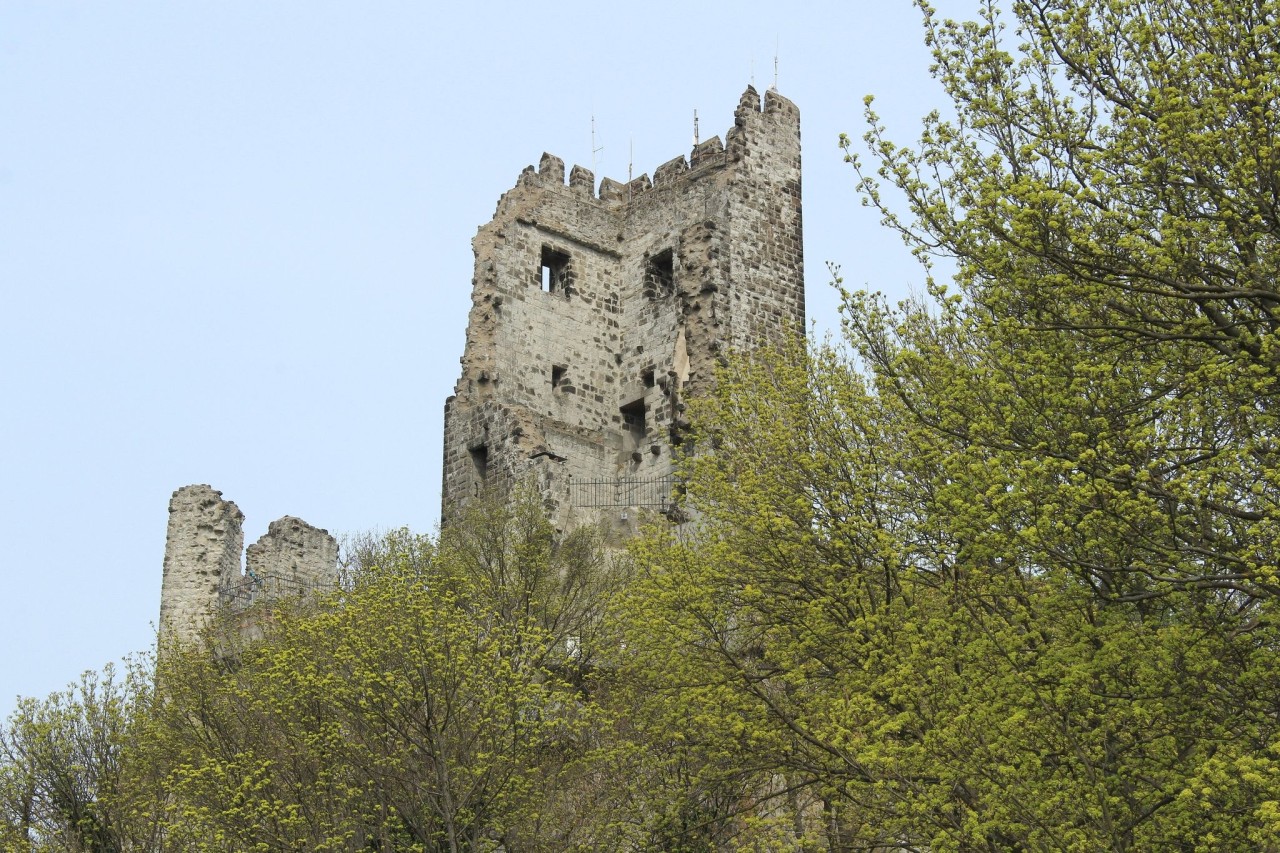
[(258, 588), (654, 492)]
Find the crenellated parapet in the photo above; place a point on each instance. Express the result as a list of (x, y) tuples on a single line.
[(751, 120), (597, 312)]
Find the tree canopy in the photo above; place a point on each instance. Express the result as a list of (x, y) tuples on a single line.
[(998, 571), (1003, 574)]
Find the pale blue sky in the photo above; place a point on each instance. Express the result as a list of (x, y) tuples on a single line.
[(235, 246)]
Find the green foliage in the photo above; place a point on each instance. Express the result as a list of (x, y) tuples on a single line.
[(66, 778), (865, 642), (1107, 187), (1001, 575), (1013, 587), (1105, 375), (423, 708), (439, 701)]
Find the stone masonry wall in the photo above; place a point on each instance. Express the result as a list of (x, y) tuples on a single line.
[(766, 247), (202, 562), (595, 316), (201, 555), (296, 552)]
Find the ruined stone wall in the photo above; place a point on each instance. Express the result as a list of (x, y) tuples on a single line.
[(201, 555), (295, 552), (202, 562), (595, 316), (766, 246)]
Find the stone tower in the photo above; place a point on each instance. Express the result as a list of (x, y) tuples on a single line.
[(596, 316), (202, 555)]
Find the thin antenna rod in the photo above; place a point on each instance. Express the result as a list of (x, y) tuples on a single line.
[(695, 127), (631, 159), (594, 149), (776, 41)]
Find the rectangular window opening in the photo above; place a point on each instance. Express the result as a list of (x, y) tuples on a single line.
[(647, 376), (633, 422), (480, 461), (558, 373), (660, 274), (554, 272)]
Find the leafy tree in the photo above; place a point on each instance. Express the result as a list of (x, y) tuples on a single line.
[(423, 708), (1107, 186), (1020, 592), (1105, 369), (66, 779), (861, 645), (556, 582), (738, 639)]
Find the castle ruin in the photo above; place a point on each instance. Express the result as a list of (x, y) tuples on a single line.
[(202, 575), (596, 316)]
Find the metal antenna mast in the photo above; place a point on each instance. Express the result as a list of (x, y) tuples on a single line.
[(695, 127), (594, 150)]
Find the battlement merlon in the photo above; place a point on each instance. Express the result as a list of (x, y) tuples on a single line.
[(749, 118)]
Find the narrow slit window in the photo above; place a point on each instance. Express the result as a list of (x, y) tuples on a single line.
[(553, 274), (558, 374)]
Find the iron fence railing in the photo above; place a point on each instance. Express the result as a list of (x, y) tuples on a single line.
[(654, 492), (257, 588)]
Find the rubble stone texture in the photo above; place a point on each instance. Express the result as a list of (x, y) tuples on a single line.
[(295, 552), (595, 317), (202, 562), (201, 555)]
